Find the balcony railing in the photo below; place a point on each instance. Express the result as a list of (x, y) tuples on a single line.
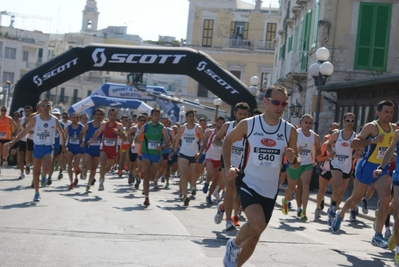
[(264, 45), (236, 43)]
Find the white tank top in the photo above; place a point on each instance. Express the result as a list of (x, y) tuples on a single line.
[(305, 145), (44, 131), (213, 151), (237, 148), (343, 153), (136, 147), (21, 121), (189, 141), (264, 151)]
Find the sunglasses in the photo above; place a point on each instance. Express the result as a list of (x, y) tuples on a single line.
[(350, 120), (3, 110), (65, 117), (278, 102), (142, 120), (45, 105)]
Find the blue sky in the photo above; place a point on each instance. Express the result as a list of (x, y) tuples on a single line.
[(147, 18)]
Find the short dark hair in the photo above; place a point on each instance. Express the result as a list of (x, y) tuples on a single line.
[(123, 117), (241, 105), (347, 114), (383, 103), (190, 112), (155, 110), (99, 110), (255, 112), (277, 87), (112, 109), (221, 118)]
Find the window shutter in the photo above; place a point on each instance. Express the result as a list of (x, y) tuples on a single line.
[(289, 44), (232, 28), (245, 35), (381, 38), (316, 23)]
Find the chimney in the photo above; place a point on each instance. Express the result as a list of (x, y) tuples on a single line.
[(258, 5)]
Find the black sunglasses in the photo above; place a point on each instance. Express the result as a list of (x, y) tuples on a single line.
[(278, 102), (142, 120), (3, 110), (45, 105), (350, 120)]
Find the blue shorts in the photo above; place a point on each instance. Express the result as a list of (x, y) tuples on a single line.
[(365, 169), (395, 178), (39, 151), (151, 158), (202, 159), (92, 151)]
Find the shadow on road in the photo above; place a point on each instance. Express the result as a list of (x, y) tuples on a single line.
[(18, 187), (29, 204), (376, 262), (287, 225)]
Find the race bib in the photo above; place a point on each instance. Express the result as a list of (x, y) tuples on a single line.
[(236, 152), (153, 144), (342, 159), (3, 135), (73, 140), (215, 147), (381, 151), (96, 142), (109, 141), (266, 157), (188, 140), (43, 136), (305, 153)]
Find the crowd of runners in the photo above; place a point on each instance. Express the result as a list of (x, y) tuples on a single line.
[(241, 163)]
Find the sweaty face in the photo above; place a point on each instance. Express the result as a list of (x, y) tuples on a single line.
[(274, 110)]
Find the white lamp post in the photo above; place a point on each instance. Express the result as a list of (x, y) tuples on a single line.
[(320, 71), (217, 102), (254, 81)]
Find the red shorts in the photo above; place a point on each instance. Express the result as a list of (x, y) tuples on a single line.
[(110, 151), (216, 163)]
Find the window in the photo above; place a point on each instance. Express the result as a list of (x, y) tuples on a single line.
[(207, 33), (62, 95), (51, 53), (289, 48), (282, 52), (48, 93), (8, 76), (40, 55), (202, 91), (316, 23), (239, 30), (271, 31), (25, 56), (10, 53), (295, 44), (75, 96), (88, 92), (305, 40), (236, 73), (373, 36)]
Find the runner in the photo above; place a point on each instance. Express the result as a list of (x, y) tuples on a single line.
[(153, 133), (57, 147), (200, 167), (108, 151), (375, 138), (133, 151), (74, 141), (268, 137), (8, 130), (44, 125)]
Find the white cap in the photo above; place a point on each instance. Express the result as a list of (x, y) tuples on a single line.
[(56, 111)]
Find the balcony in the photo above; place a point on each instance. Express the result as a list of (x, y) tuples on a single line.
[(264, 45), (294, 66), (236, 43)]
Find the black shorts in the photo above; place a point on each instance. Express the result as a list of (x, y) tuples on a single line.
[(326, 175), (16, 145), (191, 160), (22, 146), (30, 144), (132, 156), (249, 197), (4, 141), (165, 156), (283, 168), (344, 175), (221, 163)]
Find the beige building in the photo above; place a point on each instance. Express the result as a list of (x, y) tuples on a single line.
[(239, 35), (362, 37)]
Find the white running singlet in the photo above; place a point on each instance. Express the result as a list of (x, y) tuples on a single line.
[(44, 131), (237, 149), (306, 143), (343, 153), (213, 151), (189, 141)]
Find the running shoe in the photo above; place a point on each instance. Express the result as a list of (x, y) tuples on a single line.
[(167, 185), (101, 187), (379, 241), (146, 202), (27, 169), (205, 188), (130, 179), (76, 181), (126, 167), (49, 182), (37, 197), (70, 186), (22, 176), (352, 217), (289, 205), (180, 197), (94, 181), (163, 179), (232, 252), (299, 212), (322, 204), (209, 200), (219, 213), (284, 206), (186, 201), (60, 176), (387, 234), (43, 181), (365, 209), (392, 242), (155, 184), (236, 221), (303, 217), (88, 189), (396, 260), (137, 184), (5, 163), (317, 213), (120, 172), (336, 223), (216, 195), (331, 215), (230, 225), (193, 191)]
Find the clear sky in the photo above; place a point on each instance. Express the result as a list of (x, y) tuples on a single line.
[(146, 18)]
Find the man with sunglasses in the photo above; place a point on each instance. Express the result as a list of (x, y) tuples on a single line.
[(338, 147), (44, 125), (309, 147), (267, 139), (8, 130), (375, 138)]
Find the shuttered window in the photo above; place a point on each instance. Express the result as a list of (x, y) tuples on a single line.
[(207, 33), (316, 23), (373, 36), (239, 29), (289, 48), (306, 40)]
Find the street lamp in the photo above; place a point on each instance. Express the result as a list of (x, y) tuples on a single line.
[(320, 71), (217, 102), (182, 113), (295, 110), (254, 81)]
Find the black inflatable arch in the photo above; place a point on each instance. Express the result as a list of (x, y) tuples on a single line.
[(78, 60)]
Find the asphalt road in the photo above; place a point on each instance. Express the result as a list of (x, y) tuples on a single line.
[(113, 228)]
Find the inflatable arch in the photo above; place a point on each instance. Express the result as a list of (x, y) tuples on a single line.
[(77, 60)]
